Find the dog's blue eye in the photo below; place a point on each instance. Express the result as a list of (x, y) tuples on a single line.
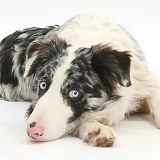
[(73, 94), (42, 85)]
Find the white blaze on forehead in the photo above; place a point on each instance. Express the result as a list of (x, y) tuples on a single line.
[(51, 112), (60, 73)]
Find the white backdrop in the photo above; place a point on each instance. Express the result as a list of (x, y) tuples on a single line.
[(137, 136)]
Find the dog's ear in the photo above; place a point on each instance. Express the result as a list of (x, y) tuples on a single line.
[(112, 66), (31, 55), (41, 52)]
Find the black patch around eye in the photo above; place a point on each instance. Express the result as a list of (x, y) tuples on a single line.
[(78, 109), (80, 105)]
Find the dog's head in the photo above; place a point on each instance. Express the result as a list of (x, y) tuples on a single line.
[(72, 83)]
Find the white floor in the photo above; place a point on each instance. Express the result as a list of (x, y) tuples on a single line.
[(137, 137)]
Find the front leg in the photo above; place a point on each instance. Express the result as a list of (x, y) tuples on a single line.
[(95, 133), (96, 128)]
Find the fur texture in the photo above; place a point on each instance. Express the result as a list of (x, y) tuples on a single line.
[(82, 77)]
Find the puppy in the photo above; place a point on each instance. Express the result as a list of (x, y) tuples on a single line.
[(82, 77)]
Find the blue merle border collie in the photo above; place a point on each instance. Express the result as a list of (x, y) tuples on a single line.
[(82, 77)]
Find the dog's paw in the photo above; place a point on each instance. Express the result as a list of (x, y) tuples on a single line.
[(100, 136)]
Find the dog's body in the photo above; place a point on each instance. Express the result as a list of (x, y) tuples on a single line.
[(83, 77)]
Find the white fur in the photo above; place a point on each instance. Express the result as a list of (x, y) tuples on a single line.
[(51, 111), (29, 63)]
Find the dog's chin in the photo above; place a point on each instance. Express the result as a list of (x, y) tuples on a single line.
[(45, 139)]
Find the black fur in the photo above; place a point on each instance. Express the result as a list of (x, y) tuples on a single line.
[(112, 67), (6, 74)]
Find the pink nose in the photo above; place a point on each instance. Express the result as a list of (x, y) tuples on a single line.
[(34, 131)]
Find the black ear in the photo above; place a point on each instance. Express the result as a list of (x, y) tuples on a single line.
[(41, 52), (112, 66)]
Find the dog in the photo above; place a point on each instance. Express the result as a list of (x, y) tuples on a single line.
[(82, 78)]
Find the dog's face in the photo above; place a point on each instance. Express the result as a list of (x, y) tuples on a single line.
[(72, 83)]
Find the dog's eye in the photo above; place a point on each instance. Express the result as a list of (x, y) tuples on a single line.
[(43, 85), (74, 94)]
